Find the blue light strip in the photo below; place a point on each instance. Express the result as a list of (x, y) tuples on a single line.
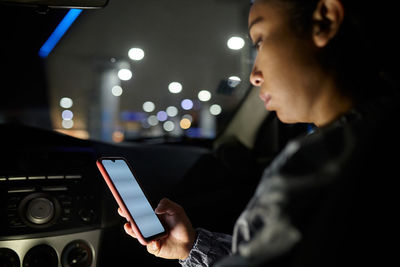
[(59, 32)]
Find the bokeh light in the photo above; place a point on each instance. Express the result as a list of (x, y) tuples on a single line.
[(185, 124), (204, 95), (172, 111), (187, 104), (125, 74), (169, 126), (67, 124), (235, 43), (66, 102), (162, 116), (215, 109), (149, 106), (152, 120), (175, 87), (67, 115), (117, 90), (136, 54)]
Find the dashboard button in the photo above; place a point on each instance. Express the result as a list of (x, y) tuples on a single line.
[(40, 210)]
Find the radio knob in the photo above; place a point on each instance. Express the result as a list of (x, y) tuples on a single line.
[(40, 210), (77, 254), (87, 215)]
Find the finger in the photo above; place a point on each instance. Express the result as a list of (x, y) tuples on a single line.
[(128, 230), (167, 206), (154, 248), (121, 213)]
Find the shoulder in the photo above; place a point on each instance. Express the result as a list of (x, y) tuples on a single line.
[(339, 183), (369, 132)]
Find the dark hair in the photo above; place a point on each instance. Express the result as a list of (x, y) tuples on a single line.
[(359, 54)]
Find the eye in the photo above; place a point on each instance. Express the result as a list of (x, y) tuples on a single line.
[(257, 44)]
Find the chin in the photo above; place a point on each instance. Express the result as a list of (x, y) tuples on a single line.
[(286, 119)]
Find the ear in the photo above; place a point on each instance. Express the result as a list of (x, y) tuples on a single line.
[(327, 19)]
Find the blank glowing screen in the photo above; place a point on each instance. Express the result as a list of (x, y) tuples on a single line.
[(133, 197)]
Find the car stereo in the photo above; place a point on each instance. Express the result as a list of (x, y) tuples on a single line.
[(50, 209)]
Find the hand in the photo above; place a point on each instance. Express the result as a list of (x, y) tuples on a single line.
[(181, 236)]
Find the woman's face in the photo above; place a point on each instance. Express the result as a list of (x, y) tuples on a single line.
[(285, 69)]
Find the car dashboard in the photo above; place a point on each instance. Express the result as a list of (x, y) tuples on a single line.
[(55, 207)]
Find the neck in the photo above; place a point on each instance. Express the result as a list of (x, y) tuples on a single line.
[(331, 106)]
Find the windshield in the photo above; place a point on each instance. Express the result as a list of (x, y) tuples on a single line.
[(135, 69)]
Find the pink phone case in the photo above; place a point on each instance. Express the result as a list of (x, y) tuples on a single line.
[(121, 204)]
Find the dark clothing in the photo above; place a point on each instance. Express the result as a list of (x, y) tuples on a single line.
[(329, 199)]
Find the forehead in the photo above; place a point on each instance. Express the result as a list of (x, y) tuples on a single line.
[(266, 11)]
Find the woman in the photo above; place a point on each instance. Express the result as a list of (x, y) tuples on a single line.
[(314, 203)]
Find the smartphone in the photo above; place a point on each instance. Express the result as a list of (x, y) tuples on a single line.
[(131, 199)]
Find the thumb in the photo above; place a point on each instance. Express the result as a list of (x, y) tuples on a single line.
[(167, 206)]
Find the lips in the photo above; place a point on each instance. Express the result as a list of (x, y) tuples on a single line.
[(266, 98)]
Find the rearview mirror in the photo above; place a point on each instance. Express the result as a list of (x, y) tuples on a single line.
[(81, 4)]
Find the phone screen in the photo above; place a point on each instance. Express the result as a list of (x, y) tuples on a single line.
[(133, 197)]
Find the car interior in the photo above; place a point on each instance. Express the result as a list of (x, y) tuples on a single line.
[(179, 107)]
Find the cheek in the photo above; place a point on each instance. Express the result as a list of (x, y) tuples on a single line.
[(288, 61), (279, 68), (289, 96), (287, 72), (281, 79)]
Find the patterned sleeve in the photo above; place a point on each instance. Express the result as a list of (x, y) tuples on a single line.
[(208, 248)]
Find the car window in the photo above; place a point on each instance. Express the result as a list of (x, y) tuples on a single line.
[(134, 70)]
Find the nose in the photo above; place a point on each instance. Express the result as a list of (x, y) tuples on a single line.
[(256, 77)]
